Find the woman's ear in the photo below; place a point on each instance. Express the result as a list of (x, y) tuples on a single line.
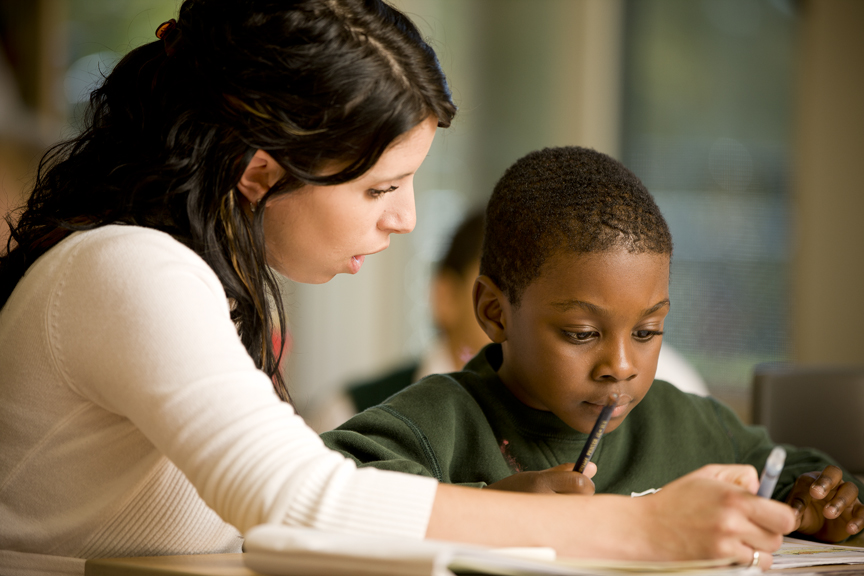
[(260, 175), (490, 305)]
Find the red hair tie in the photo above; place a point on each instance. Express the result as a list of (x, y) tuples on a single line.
[(165, 27), (169, 34)]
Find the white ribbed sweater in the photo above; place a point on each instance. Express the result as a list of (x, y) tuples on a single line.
[(133, 422)]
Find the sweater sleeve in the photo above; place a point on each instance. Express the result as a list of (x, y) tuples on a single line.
[(380, 437), (140, 326), (752, 445), (432, 428)]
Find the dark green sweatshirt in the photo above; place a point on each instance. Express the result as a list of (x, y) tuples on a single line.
[(468, 428)]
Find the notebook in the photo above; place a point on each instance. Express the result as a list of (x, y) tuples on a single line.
[(277, 550)]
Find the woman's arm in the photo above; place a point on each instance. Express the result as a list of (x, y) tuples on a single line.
[(705, 514)]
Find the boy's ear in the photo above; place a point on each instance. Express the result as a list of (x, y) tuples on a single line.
[(489, 309), (260, 175)]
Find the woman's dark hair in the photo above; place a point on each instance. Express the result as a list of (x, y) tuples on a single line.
[(172, 128)]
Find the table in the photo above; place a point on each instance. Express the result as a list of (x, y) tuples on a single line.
[(192, 565), (232, 565)]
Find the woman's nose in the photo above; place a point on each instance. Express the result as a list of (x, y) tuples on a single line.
[(400, 216)]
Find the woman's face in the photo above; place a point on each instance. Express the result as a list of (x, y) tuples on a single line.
[(316, 232)]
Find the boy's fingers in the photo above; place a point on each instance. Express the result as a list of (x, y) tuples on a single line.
[(829, 479), (797, 506), (590, 468), (846, 496), (569, 482), (856, 524)]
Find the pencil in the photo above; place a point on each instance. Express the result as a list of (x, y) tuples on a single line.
[(596, 433)]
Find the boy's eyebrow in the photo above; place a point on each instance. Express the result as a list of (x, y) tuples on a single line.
[(656, 307), (597, 310), (565, 305)]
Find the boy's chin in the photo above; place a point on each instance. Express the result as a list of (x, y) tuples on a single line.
[(585, 426)]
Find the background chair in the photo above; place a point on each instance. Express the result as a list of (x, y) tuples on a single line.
[(813, 406)]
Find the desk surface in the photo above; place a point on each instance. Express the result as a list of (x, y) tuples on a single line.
[(232, 565), (193, 565)]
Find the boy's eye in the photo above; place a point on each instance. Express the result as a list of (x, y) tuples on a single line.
[(580, 337), (646, 335), (375, 193)]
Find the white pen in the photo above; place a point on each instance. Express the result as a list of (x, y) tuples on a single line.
[(771, 472)]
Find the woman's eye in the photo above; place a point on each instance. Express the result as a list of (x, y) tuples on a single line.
[(580, 337), (375, 193), (646, 335)]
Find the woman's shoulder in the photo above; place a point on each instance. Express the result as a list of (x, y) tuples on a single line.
[(127, 243), (116, 264), (126, 254)]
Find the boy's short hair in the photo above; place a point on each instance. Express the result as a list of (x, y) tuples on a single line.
[(567, 199)]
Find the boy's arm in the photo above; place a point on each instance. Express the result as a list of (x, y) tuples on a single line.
[(752, 446), (803, 467), (380, 438)]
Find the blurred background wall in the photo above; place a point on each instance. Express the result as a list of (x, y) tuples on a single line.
[(743, 117)]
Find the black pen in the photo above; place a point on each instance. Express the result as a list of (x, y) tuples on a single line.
[(596, 433)]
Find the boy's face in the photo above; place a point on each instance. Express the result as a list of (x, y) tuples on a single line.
[(588, 326)]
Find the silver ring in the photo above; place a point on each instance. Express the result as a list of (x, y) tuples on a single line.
[(755, 561)]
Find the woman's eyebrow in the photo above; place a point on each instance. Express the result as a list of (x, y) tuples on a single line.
[(377, 178)]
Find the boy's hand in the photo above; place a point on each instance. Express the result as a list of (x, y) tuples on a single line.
[(827, 508), (558, 480)]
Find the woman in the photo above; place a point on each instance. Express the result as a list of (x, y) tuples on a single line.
[(139, 414)]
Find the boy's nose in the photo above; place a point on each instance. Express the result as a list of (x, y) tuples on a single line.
[(615, 363), (400, 216)]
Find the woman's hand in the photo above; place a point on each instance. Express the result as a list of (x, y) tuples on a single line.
[(827, 508), (742, 475), (558, 480), (714, 513)]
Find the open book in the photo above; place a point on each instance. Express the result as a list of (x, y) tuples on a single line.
[(277, 550), (796, 553)]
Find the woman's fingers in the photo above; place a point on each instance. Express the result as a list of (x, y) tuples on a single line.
[(711, 518), (743, 475)]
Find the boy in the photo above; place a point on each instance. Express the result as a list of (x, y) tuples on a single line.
[(573, 293)]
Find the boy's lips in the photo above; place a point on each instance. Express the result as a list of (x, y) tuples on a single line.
[(624, 401)]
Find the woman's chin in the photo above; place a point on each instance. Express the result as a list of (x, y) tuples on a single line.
[(309, 277)]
